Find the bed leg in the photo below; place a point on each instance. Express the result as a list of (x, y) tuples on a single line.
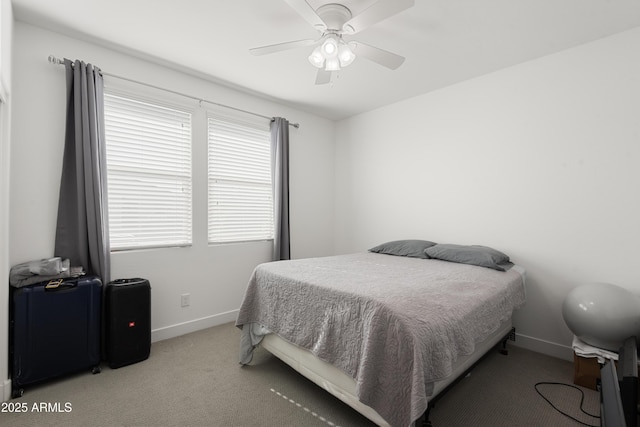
[(504, 350), (424, 421), (511, 336)]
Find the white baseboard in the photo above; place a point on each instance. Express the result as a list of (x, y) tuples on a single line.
[(545, 347), (5, 390), (193, 326)]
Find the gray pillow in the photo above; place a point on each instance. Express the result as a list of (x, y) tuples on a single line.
[(411, 248), (482, 256)]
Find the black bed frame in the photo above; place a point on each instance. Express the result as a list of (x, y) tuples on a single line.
[(424, 421)]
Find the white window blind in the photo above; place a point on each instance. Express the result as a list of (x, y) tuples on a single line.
[(240, 193), (148, 173)]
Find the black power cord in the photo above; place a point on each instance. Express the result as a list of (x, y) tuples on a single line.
[(564, 413)]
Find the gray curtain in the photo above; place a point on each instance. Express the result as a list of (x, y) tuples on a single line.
[(82, 230), (280, 179)]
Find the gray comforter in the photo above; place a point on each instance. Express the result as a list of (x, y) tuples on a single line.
[(394, 324)]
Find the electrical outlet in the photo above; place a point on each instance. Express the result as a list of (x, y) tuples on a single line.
[(185, 300)]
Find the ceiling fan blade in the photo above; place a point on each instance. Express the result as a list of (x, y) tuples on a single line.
[(375, 54), (309, 14), (375, 13), (264, 50), (323, 77)]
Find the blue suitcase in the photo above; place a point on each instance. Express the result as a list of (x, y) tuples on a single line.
[(55, 329)]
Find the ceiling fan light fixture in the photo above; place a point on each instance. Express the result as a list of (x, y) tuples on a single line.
[(345, 54), (332, 54), (317, 58), (332, 64), (330, 47)]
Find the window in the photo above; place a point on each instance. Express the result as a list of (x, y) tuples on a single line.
[(148, 173), (240, 194)]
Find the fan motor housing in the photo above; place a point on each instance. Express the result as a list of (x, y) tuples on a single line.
[(334, 15)]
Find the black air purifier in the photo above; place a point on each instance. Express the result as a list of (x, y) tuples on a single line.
[(127, 321)]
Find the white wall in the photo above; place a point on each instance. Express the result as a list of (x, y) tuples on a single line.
[(540, 160), (6, 34), (215, 276)]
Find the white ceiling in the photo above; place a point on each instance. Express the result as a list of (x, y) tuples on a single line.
[(444, 41)]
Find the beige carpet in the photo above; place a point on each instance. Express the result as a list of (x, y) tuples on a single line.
[(195, 380)]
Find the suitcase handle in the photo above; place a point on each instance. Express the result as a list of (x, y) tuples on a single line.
[(58, 284), (125, 281)]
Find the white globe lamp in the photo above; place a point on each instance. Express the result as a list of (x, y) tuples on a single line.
[(602, 315)]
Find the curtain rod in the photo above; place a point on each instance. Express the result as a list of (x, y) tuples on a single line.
[(54, 60)]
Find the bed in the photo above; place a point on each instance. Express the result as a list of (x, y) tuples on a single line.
[(383, 333)]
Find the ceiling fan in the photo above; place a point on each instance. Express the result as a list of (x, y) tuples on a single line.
[(332, 21)]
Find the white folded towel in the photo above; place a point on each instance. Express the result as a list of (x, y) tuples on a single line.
[(583, 349)]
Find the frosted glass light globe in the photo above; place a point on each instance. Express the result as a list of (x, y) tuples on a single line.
[(316, 58), (330, 48)]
